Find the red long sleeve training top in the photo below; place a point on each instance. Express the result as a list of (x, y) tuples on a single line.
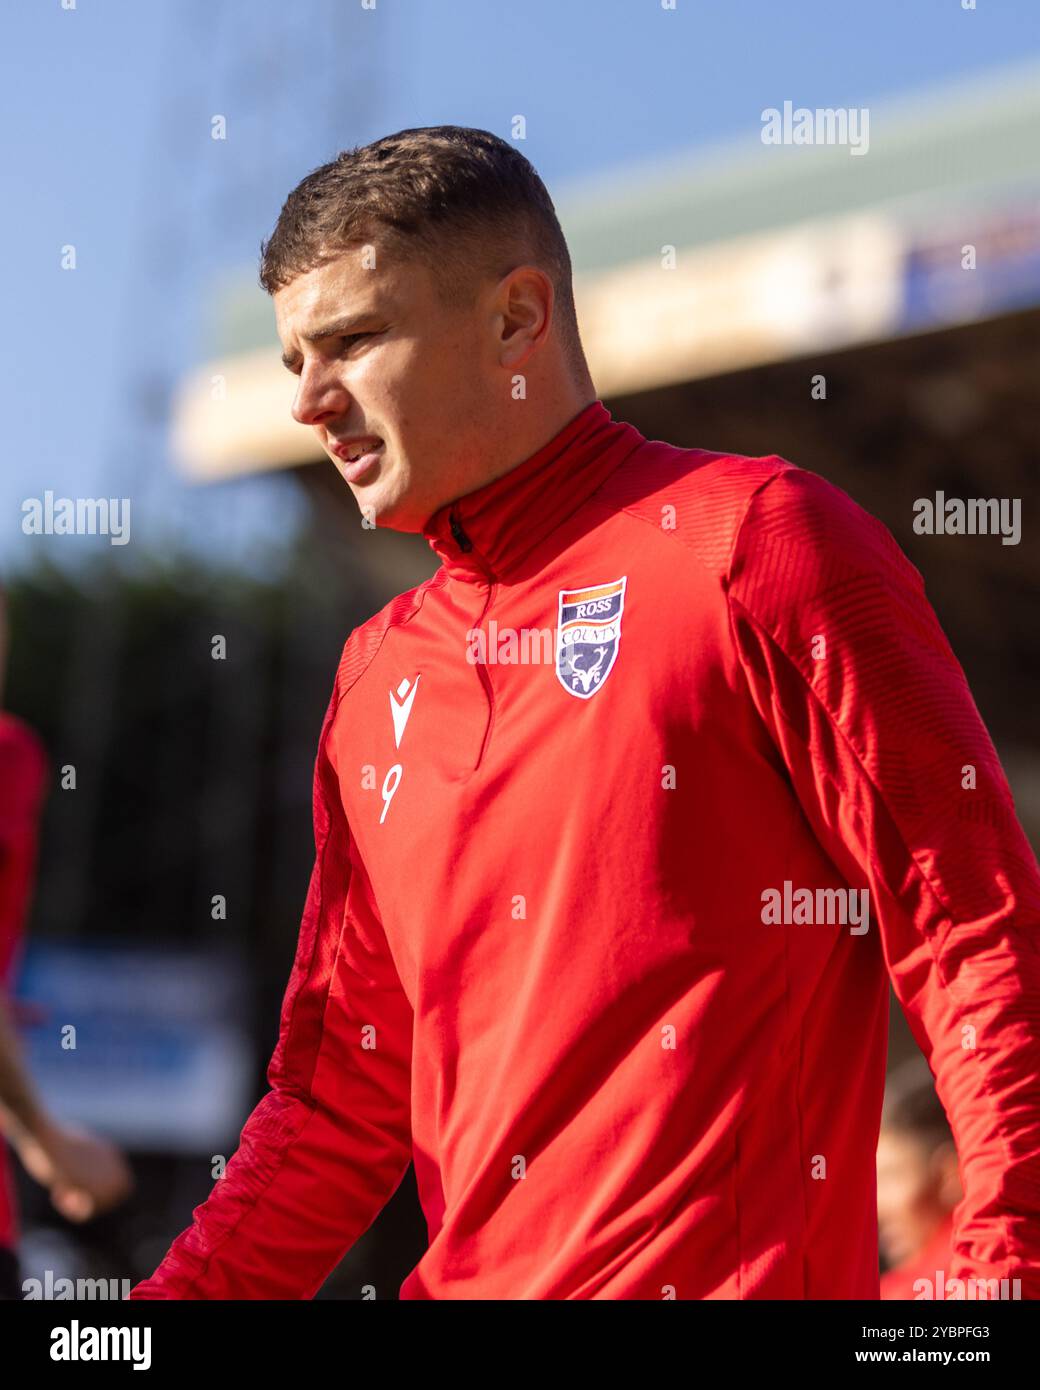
[(533, 956), (23, 776)]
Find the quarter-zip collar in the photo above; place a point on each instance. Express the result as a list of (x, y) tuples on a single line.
[(488, 533)]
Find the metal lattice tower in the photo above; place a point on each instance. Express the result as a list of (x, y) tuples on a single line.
[(294, 85)]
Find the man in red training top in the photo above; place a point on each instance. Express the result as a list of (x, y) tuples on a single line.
[(83, 1173), (623, 820)]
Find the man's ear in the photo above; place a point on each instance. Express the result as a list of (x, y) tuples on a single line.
[(525, 303)]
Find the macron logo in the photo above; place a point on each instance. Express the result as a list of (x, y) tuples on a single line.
[(401, 707)]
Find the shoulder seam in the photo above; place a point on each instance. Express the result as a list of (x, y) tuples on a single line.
[(785, 467), (421, 591)]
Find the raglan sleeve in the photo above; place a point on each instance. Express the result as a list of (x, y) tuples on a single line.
[(330, 1141), (886, 751)]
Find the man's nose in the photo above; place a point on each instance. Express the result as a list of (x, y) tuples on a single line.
[(319, 397)]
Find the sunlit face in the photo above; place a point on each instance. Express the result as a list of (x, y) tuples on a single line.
[(910, 1195), (379, 357)]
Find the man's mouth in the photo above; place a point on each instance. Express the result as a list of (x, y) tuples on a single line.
[(355, 449), (358, 456)]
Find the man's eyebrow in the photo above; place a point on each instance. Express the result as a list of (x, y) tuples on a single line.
[(336, 329)]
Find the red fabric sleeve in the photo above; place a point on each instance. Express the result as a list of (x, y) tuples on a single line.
[(23, 777), (329, 1143), (878, 730)]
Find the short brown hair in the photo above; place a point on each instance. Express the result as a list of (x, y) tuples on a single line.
[(463, 202)]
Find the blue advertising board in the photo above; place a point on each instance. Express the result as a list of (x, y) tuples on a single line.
[(146, 1046)]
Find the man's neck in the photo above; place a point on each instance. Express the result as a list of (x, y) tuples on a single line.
[(521, 437)]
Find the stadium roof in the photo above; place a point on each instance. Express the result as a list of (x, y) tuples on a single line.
[(779, 249), (962, 142)]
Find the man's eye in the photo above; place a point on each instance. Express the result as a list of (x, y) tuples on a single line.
[(351, 338)]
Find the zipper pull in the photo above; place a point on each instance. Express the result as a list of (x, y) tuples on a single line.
[(461, 539)]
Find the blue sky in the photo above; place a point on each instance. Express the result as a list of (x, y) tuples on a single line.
[(106, 110)]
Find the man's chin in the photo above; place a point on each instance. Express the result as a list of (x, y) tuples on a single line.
[(380, 511)]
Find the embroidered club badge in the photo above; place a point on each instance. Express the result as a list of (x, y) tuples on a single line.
[(588, 635)]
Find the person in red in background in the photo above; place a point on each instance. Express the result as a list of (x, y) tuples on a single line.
[(84, 1174), (919, 1182)]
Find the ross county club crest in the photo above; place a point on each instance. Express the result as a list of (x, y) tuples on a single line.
[(588, 636)]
